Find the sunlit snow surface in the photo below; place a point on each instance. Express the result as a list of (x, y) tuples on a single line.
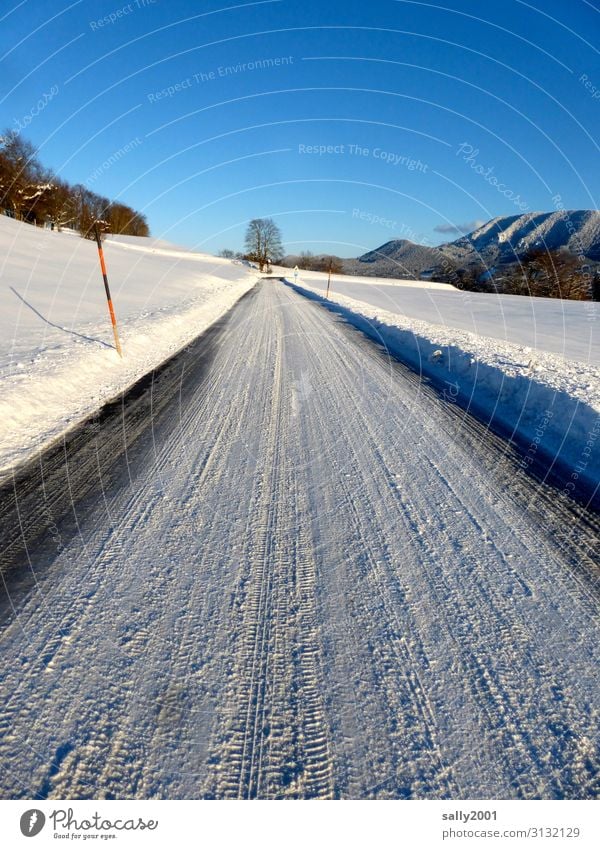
[(300, 573), (57, 356)]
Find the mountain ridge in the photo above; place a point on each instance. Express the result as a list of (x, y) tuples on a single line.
[(501, 240)]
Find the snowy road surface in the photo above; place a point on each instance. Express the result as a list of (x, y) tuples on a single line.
[(305, 575)]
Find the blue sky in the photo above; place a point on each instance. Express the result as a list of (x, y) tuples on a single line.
[(350, 123)]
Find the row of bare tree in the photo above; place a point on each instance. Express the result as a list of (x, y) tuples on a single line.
[(30, 192), (540, 273), (308, 261)]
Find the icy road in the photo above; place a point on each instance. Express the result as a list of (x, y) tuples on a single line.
[(287, 568)]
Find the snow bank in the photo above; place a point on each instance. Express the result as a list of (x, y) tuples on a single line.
[(548, 405), (318, 279), (57, 358)]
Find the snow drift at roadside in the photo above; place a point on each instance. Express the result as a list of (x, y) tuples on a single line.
[(548, 405)]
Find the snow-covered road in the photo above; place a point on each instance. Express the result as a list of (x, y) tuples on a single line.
[(304, 575)]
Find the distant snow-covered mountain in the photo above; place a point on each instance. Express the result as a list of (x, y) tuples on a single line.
[(510, 238), (499, 241)]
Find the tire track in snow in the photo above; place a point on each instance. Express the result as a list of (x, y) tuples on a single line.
[(307, 578)]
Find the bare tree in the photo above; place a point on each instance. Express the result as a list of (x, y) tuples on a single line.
[(550, 274), (328, 263), (20, 175), (62, 206), (263, 241), (470, 278), (305, 260), (30, 192), (124, 219)]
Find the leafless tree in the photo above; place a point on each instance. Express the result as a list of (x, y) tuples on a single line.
[(263, 241), (550, 274), (32, 193)]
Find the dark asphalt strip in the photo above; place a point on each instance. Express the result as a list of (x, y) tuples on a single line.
[(43, 502)]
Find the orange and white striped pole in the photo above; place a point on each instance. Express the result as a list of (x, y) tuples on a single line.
[(107, 290)]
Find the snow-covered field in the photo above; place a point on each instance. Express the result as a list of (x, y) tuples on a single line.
[(57, 357), (570, 329), (550, 404)]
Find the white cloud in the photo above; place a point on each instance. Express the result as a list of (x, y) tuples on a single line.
[(459, 229)]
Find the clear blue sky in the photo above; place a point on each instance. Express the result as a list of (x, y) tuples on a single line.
[(432, 115)]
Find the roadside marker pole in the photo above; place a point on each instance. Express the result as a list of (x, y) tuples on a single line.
[(328, 283), (107, 290)]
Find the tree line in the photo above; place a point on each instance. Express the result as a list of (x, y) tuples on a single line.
[(31, 192), (539, 273), (308, 261)]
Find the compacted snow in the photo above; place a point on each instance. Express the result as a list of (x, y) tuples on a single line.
[(289, 569), (57, 356)]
